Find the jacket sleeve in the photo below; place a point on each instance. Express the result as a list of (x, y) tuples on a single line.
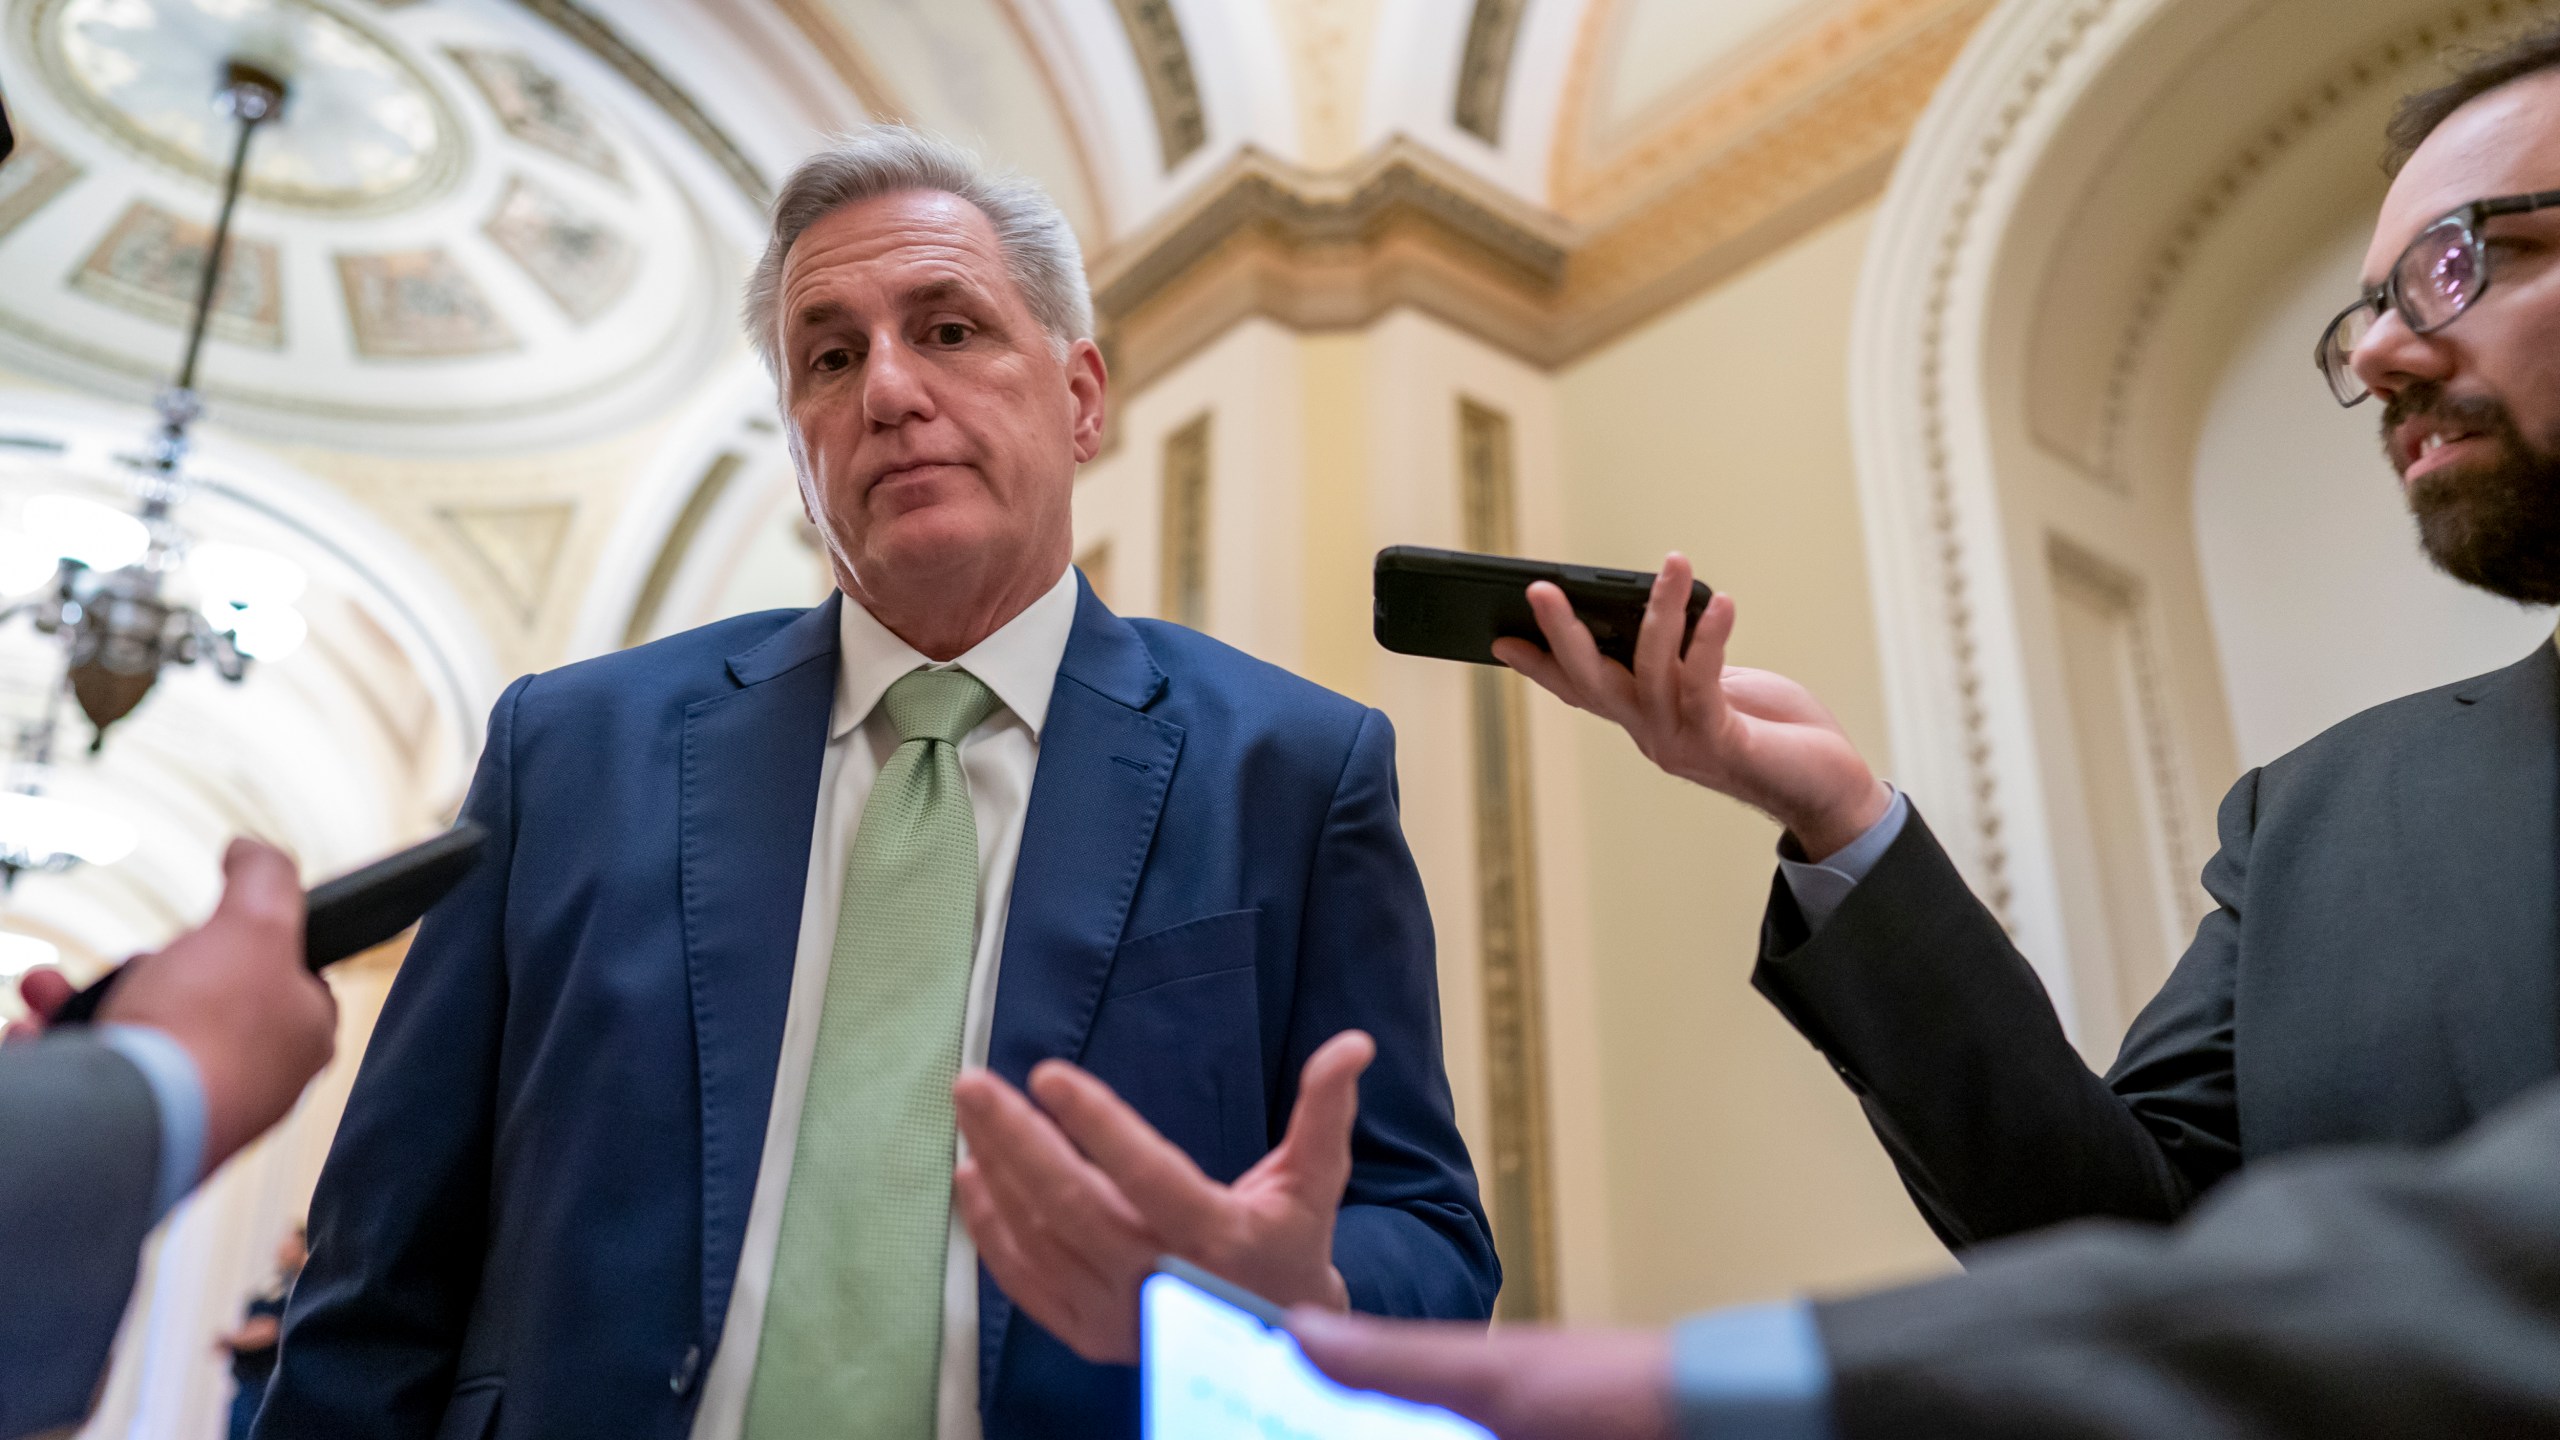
[(1915, 994), (2365, 1292), (372, 1333), (1411, 1239), (79, 1165)]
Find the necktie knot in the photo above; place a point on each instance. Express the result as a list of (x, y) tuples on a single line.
[(942, 705)]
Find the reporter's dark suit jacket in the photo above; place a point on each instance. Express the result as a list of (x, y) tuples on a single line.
[(2383, 965), (79, 1162), (530, 1221), (2373, 1292)]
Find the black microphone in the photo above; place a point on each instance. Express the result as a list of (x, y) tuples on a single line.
[(354, 912)]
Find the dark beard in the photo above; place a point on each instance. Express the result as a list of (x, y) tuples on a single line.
[(2495, 525)]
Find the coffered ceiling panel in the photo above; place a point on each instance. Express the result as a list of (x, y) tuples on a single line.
[(455, 235)]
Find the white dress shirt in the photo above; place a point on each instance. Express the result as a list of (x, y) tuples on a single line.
[(1020, 664)]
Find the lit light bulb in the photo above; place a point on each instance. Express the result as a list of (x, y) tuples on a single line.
[(227, 574), (22, 953), (265, 632), (24, 564), (38, 828), (98, 536)]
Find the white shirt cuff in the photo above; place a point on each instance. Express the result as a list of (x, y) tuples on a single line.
[(1821, 889)]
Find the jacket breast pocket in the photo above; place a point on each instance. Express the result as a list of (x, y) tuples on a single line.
[(1178, 1034), (472, 1413)]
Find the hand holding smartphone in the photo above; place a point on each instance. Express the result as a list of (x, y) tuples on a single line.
[(353, 912), (1452, 605)]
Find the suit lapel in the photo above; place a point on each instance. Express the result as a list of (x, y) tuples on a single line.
[(1104, 768), (2488, 844), (749, 781)]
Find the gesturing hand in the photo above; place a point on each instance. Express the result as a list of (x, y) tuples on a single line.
[(1522, 1383), (1756, 736), (1071, 1207)]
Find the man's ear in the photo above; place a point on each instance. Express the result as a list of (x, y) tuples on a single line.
[(1088, 387)]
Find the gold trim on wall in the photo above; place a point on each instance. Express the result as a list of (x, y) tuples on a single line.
[(1484, 67), (1183, 579), (1519, 1166), (1164, 62), (1791, 79)]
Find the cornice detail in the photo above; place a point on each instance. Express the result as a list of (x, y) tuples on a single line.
[(1330, 250), (1406, 227)]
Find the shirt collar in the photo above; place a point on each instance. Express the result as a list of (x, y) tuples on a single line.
[(1019, 662)]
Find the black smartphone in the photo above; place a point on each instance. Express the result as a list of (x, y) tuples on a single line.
[(354, 912), (1452, 605)]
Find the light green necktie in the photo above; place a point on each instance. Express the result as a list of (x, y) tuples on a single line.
[(852, 1341)]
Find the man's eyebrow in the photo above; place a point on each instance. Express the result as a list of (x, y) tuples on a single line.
[(818, 312), (948, 289), (945, 291)]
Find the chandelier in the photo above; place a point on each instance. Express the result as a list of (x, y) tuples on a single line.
[(127, 592)]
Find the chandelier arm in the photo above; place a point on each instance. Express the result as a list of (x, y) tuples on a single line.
[(250, 117)]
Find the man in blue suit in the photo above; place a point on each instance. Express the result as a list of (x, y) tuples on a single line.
[(655, 1136)]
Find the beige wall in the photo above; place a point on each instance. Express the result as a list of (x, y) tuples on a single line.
[(1703, 1152), (1739, 1166)]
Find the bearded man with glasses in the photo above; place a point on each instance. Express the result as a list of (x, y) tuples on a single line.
[(2383, 967), (2486, 493)]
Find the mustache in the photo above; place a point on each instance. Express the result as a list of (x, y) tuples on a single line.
[(2483, 413)]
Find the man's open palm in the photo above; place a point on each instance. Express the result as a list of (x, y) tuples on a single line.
[(1072, 1200)]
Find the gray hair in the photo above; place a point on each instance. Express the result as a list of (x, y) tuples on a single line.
[(1039, 247)]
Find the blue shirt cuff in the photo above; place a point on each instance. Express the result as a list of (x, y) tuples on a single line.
[(1820, 889), (1757, 1372), (178, 1091)]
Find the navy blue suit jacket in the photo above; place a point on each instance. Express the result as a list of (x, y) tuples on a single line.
[(530, 1221)]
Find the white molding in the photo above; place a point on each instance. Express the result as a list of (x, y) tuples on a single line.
[(1416, 52), (1240, 61), (1086, 54), (1956, 689), (731, 399)]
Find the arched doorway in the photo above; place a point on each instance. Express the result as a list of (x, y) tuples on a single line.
[(2123, 544)]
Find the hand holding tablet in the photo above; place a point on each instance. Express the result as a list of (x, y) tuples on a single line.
[(1218, 1363)]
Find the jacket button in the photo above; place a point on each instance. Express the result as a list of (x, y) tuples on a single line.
[(680, 1379)]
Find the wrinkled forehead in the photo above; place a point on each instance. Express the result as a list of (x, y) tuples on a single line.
[(896, 240), (2506, 142)]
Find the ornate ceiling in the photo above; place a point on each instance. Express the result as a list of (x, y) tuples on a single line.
[(450, 239), (485, 224), (485, 268)]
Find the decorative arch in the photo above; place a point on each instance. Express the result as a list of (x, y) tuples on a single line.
[(2077, 237)]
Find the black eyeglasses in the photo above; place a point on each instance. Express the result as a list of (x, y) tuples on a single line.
[(2444, 272)]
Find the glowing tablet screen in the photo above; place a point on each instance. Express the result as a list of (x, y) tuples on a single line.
[(1213, 1371)]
